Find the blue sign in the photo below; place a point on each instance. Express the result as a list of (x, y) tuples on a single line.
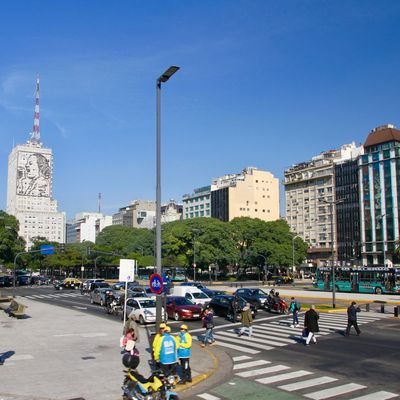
[(156, 283), (46, 249)]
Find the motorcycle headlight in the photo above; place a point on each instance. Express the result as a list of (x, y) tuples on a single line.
[(171, 379)]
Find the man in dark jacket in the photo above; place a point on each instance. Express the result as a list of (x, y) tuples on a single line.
[(311, 324), (352, 318)]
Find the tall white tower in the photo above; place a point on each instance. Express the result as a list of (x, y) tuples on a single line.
[(30, 187)]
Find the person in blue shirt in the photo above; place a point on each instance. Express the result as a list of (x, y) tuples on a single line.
[(184, 350), (165, 352)]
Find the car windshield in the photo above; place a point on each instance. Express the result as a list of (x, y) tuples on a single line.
[(148, 303), (102, 285), (183, 302), (199, 295), (259, 292)]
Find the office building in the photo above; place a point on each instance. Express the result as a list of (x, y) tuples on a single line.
[(198, 203), (253, 193), (138, 214), (30, 189), (86, 227)]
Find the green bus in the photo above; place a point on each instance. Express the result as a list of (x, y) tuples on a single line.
[(372, 279)]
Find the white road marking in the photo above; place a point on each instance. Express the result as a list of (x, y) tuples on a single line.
[(382, 395), (255, 340), (308, 383), (241, 358), (242, 342), (283, 377), (238, 348), (335, 391), (250, 364), (262, 371), (207, 396)]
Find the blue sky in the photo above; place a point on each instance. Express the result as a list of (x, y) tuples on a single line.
[(262, 83)]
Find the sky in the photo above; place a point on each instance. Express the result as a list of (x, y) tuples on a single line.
[(262, 83)]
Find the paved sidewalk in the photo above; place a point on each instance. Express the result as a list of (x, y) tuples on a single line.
[(62, 354)]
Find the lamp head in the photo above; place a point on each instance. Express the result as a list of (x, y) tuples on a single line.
[(167, 74)]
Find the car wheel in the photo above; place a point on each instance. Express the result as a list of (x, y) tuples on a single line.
[(91, 301), (141, 320), (177, 316), (378, 290)]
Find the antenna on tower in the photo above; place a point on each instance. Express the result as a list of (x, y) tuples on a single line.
[(99, 203), (35, 135)]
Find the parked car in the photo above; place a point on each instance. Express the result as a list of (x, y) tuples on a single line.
[(6, 281), (142, 309), (67, 283), (282, 279), (98, 296), (40, 280), (221, 305), (179, 307), (256, 296), (23, 280)]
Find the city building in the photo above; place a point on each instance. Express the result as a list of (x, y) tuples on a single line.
[(86, 227), (197, 204), (171, 212), (138, 214), (311, 201), (379, 179), (30, 188), (253, 193)]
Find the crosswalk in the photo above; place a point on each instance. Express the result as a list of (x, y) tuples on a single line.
[(50, 296), (272, 334), (307, 384)]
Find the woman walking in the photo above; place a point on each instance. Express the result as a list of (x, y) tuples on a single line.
[(208, 323), (311, 324)]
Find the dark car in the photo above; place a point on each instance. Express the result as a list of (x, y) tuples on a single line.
[(96, 285), (121, 285), (282, 279), (67, 284), (221, 304), (23, 280), (179, 307), (6, 281), (257, 297)]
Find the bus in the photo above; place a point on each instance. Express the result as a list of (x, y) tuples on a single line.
[(359, 279)]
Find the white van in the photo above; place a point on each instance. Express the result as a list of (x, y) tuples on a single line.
[(192, 293)]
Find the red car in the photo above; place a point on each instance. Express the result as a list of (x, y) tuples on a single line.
[(179, 307)]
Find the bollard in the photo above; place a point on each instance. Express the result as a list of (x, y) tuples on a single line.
[(382, 308), (367, 307), (396, 312)]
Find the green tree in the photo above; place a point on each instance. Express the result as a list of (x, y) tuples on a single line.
[(10, 242)]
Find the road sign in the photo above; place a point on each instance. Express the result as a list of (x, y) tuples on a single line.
[(156, 283), (46, 249)]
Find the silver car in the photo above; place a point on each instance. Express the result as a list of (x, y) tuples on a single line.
[(98, 296)]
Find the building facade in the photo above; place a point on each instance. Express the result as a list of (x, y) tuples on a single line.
[(197, 204), (30, 189), (138, 214), (253, 193), (311, 203), (86, 227), (379, 177)]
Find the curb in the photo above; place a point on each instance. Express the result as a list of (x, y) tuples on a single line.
[(202, 377)]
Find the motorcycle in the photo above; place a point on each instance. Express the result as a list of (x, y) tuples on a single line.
[(277, 304), (112, 305), (156, 387)]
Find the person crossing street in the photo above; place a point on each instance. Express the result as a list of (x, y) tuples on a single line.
[(352, 311)]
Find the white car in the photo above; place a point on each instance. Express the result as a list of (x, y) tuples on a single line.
[(142, 309)]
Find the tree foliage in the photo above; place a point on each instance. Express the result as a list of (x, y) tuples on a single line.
[(10, 242)]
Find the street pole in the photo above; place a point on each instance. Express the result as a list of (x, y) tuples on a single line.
[(383, 216), (162, 79)]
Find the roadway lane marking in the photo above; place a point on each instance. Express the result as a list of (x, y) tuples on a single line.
[(238, 348), (20, 357), (261, 371), (241, 358), (377, 396), (306, 384), (283, 377), (252, 339), (335, 391), (207, 396), (250, 364), (244, 343)]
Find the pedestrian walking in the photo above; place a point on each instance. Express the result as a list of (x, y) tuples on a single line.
[(208, 323), (234, 308), (294, 308), (352, 311), (247, 321), (165, 352), (184, 351), (311, 324)]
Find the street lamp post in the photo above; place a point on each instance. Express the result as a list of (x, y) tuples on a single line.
[(162, 79), (331, 204), (196, 232), (383, 217), (95, 266), (293, 238)]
